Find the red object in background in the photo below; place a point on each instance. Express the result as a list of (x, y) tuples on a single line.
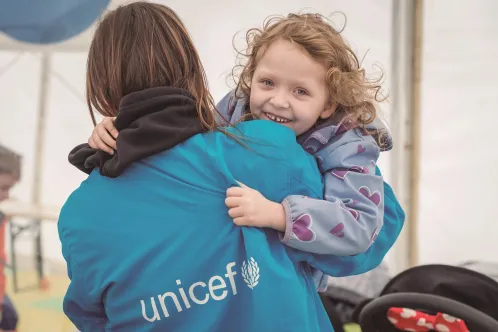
[(3, 260), (411, 320)]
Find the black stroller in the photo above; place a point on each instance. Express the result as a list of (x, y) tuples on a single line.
[(449, 291), (344, 295)]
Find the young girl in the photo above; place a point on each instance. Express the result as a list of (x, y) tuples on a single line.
[(301, 74)]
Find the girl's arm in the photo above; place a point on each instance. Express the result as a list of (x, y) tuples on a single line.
[(347, 220), (342, 266)]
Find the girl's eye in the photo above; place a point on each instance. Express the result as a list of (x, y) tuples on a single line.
[(267, 82), (302, 92)]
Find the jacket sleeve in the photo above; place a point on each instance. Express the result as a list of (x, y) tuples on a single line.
[(342, 266), (345, 222), (82, 303)]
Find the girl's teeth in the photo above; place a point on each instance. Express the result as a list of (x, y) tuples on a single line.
[(275, 118)]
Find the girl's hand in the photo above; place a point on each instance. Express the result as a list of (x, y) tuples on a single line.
[(104, 136), (248, 207)]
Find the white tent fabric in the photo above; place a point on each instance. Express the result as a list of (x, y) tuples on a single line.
[(458, 212)]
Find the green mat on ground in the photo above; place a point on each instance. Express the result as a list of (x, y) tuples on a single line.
[(54, 303), (352, 328)]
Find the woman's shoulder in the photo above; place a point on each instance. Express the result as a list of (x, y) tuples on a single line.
[(265, 130)]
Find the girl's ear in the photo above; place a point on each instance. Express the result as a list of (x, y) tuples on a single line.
[(330, 108)]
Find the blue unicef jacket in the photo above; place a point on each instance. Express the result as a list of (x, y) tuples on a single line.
[(155, 250)]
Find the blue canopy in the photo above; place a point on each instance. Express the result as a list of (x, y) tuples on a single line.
[(48, 21)]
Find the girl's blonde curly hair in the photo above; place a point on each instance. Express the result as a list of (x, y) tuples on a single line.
[(355, 95)]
